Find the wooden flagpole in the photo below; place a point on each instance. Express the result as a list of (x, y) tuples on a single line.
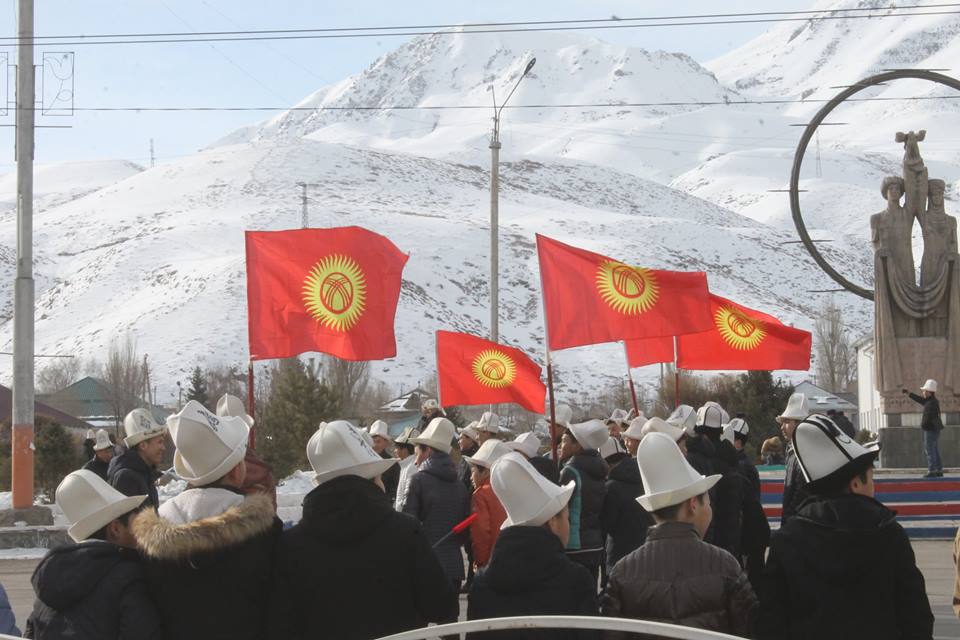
[(676, 375), (553, 411)]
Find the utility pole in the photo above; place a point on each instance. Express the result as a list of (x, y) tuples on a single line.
[(23, 304), (495, 208), (304, 216), (153, 158)]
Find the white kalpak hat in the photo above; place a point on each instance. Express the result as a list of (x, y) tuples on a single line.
[(489, 422), (711, 416), (797, 408), (380, 428), (438, 435), (139, 425), (656, 425), (488, 453), (339, 449), (611, 448), (929, 385), (826, 453), (406, 435), (563, 414), (727, 433), (102, 441), (208, 447), (431, 405), (232, 406), (619, 416), (528, 498), (635, 430), (590, 434), (526, 443), (684, 417), (667, 476), (739, 427), (90, 435), (471, 431), (90, 504)]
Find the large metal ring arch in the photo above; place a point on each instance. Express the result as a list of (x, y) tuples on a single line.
[(899, 74)]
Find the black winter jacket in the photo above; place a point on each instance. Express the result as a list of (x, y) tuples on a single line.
[(624, 521), (709, 455), (390, 479), (440, 501), (92, 591), (590, 472), (755, 530), (794, 487), (529, 574), (843, 568), (213, 578), (131, 476), (98, 466), (931, 420), (350, 550), (546, 468)]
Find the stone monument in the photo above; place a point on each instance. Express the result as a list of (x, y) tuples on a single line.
[(917, 321)]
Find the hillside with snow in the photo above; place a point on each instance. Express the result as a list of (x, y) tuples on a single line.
[(159, 252)]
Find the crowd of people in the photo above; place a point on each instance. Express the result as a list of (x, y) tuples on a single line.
[(656, 519)]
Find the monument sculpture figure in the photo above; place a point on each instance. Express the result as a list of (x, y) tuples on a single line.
[(917, 324)]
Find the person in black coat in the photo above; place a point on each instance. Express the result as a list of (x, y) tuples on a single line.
[(529, 574), (624, 521), (134, 472), (93, 589), (755, 531), (381, 444), (842, 567), (582, 464), (351, 550), (843, 422), (708, 451), (794, 483), (99, 463), (931, 425), (437, 499), (209, 552)]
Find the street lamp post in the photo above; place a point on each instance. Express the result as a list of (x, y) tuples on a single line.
[(495, 208)]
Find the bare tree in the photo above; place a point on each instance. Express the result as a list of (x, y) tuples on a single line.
[(223, 379), (124, 375), (836, 357), (58, 375), (348, 381)]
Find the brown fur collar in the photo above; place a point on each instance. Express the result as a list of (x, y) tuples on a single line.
[(163, 540)]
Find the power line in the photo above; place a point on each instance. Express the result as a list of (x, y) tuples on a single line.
[(480, 28)]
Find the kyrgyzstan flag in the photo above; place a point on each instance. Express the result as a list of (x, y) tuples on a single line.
[(589, 298), (328, 290), (471, 370), (741, 339)]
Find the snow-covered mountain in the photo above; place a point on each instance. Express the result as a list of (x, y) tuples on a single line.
[(159, 252)]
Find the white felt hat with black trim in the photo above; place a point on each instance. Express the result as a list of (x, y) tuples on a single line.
[(826, 454)]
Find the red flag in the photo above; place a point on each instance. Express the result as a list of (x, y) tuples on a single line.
[(589, 298), (329, 290), (471, 370), (646, 351), (741, 339)]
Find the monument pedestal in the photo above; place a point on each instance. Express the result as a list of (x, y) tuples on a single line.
[(902, 447)]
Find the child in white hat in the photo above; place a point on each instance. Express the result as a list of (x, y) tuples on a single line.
[(843, 567), (94, 588), (135, 471), (675, 576), (580, 455), (210, 549), (406, 454), (488, 426), (484, 503), (102, 454), (354, 567), (529, 572), (382, 444), (528, 444)]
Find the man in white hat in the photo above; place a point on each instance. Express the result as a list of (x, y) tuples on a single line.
[(437, 498), (617, 422), (488, 426), (931, 424), (675, 576), (529, 573), (755, 530), (353, 567), (794, 484), (843, 567), (484, 503), (582, 465), (429, 410), (406, 454), (382, 443), (623, 520), (259, 474), (528, 444), (135, 471), (102, 454), (210, 549), (94, 588)]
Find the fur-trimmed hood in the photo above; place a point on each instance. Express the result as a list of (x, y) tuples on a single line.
[(161, 539)]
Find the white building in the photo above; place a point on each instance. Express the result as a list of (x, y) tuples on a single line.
[(871, 415)]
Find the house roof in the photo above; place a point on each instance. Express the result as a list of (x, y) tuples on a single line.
[(821, 400), (409, 401), (40, 409), (89, 397)]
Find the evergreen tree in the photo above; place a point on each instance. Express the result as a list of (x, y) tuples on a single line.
[(298, 401), (56, 455), (198, 387)]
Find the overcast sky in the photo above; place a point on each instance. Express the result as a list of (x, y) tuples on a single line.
[(277, 73)]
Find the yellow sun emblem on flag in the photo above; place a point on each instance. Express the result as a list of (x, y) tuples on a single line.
[(739, 330), (629, 290), (335, 291), (494, 369)]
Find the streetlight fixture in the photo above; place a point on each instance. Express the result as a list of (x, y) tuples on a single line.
[(495, 207)]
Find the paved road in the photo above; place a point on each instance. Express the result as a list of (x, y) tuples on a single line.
[(934, 557)]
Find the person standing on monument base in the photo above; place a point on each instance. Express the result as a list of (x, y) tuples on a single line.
[(134, 472), (931, 424)]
